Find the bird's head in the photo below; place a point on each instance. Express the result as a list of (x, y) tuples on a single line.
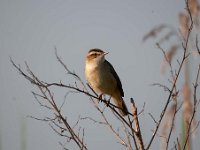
[(96, 55)]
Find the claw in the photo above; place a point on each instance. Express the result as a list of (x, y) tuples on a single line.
[(108, 103)]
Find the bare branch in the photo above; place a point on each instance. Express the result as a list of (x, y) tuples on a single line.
[(137, 125), (169, 97), (173, 109)]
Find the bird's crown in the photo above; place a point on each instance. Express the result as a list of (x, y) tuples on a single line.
[(94, 53)]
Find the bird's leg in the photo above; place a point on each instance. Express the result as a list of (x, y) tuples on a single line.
[(108, 102), (100, 97)]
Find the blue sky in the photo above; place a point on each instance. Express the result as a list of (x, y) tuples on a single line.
[(29, 31)]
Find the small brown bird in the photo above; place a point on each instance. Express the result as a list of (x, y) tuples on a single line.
[(103, 79)]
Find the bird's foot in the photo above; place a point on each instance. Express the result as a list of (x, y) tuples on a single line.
[(100, 97), (108, 102)]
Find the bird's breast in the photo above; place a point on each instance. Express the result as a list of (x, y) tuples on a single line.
[(100, 78), (92, 73)]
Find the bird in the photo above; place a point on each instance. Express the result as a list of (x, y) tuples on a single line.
[(103, 78)]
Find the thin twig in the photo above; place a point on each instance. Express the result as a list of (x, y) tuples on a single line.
[(172, 125), (152, 117)]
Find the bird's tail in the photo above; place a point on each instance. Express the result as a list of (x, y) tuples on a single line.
[(118, 100)]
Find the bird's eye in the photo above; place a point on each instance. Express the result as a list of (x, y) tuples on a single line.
[(95, 54)]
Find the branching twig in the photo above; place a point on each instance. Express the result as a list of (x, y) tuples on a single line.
[(184, 57), (168, 99)]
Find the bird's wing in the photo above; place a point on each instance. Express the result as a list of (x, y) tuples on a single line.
[(119, 84)]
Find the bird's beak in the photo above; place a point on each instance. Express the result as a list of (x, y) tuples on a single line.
[(105, 53)]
